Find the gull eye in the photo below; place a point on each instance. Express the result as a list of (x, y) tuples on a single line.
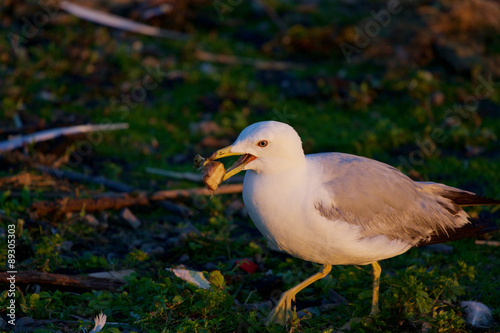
[(262, 143)]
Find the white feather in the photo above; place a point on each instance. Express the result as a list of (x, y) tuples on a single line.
[(478, 314), (100, 321)]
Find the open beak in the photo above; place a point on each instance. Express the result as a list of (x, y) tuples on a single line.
[(237, 166)]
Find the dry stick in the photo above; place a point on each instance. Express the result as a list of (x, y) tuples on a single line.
[(113, 185), (257, 63), (53, 133), (66, 205), (74, 281), (79, 177), (118, 22), (487, 242), (178, 194), (25, 178), (125, 200), (191, 176)]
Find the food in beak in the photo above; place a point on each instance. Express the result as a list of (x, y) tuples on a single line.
[(199, 162), (212, 172)]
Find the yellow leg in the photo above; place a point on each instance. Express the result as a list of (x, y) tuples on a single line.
[(375, 310), (283, 310), (376, 282)]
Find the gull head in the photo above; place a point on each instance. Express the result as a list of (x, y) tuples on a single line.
[(265, 147)]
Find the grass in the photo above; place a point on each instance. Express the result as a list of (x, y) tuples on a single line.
[(90, 71)]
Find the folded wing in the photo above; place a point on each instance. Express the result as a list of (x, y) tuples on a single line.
[(383, 201)]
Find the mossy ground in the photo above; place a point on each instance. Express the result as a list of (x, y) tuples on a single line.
[(92, 74)]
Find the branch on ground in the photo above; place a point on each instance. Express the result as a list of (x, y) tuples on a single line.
[(257, 63), (79, 177), (116, 202), (73, 281), (53, 133)]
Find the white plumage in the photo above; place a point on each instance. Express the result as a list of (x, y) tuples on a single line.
[(283, 190), (337, 209)]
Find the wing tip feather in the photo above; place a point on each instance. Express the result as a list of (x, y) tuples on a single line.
[(473, 229)]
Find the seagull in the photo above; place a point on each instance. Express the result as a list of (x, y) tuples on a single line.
[(340, 209)]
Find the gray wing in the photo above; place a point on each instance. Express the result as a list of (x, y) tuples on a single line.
[(383, 201)]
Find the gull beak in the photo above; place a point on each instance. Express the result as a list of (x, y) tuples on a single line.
[(237, 166)]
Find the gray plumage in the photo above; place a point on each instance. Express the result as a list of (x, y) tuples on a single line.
[(383, 201)]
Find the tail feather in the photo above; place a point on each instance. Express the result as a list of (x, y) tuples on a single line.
[(473, 229), (456, 195), (467, 199)]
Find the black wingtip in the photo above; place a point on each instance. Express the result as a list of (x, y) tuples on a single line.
[(476, 227), (468, 199)]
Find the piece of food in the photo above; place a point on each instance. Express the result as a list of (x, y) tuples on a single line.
[(213, 173), (199, 162)]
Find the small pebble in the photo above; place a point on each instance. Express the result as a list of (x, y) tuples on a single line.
[(91, 220), (128, 216)]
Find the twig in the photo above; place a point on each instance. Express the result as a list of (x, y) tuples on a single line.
[(487, 242), (118, 201), (178, 194), (66, 205), (115, 21), (119, 275), (79, 177), (74, 281), (257, 63), (191, 176), (126, 200), (164, 8), (25, 179), (53, 133), (278, 22)]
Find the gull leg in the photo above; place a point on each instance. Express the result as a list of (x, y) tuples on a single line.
[(282, 311), (376, 282), (375, 310)]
